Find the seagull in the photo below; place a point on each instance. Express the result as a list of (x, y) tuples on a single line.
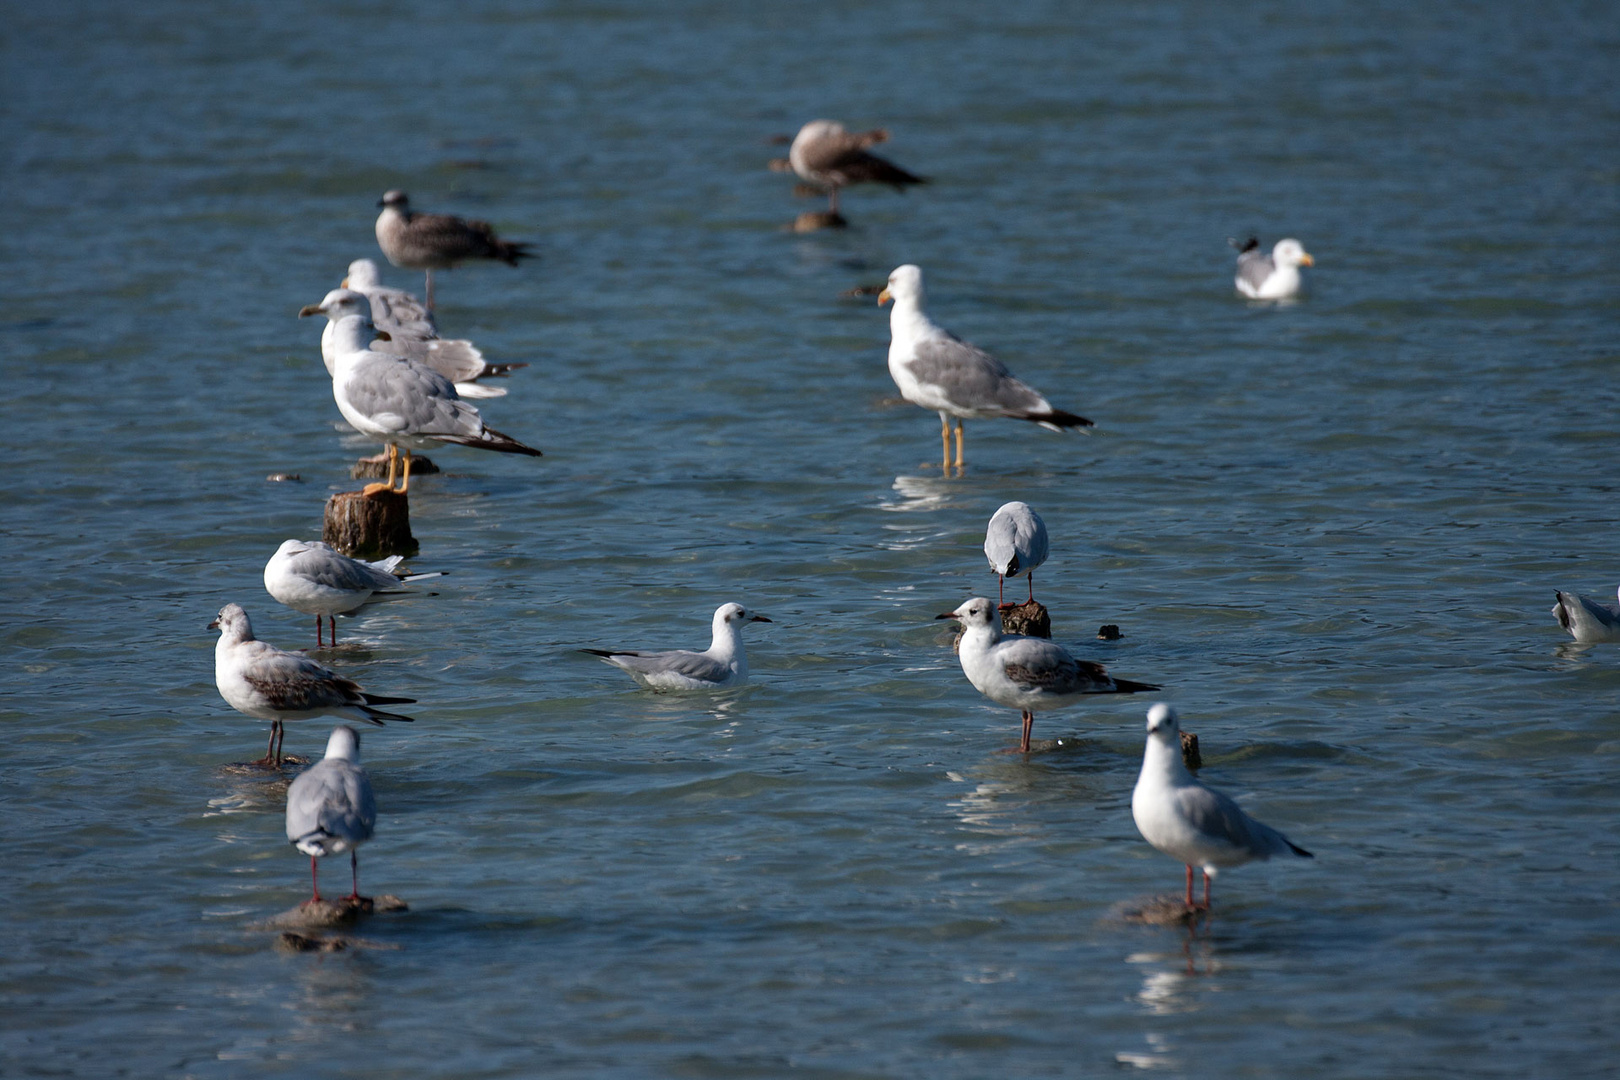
[(1270, 277), (432, 242), (397, 400), (259, 680), (1191, 822), (318, 580), (823, 153), (1586, 619), (938, 370), (413, 332), (723, 664), (330, 808), (1026, 673), (461, 367), (1015, 543)]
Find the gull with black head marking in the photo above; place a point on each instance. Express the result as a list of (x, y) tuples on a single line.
[(1191, 822), (722, 664), (259, 680), (1015, 542), (330, 808), (1274, 276), (319, 580), (939, 371), (1029, 674), (413, 241), (396, 400)]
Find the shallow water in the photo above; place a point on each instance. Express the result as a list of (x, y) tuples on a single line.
[(1330, 529)]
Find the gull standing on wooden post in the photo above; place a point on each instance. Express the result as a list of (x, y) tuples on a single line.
[(430, 242), (826, 155), (1015, 543), (1029, 674), (940, 371), (330, 808), (1191, 822), (259, 680)]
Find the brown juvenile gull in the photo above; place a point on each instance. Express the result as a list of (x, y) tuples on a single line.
[(826, 155), (430, 242), (259, 680), (413, 332), (939, 371), (396, 400), (1270, 277)]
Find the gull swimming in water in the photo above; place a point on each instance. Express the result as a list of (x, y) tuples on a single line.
[(397, 400), (826, 155), (330, 808), (1029, 674), (460, 367), (723, 664), (1191, 822), (1015, 543), (413, 332), (1587, 620), (259, 680), (1274, 276), (939, 371), (430, 242), (318, 580)]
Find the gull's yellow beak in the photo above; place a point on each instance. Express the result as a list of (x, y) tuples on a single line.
[(884, 297), (310, 309), (1306, 260), (344, 284)]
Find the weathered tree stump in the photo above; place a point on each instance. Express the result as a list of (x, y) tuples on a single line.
[(324, 914), (1189, 750), (1028, 618), (375, 467), (1108, 632), (369, 526), (813, 220)]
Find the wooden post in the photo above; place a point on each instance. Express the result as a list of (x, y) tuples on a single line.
[(369, 526), (1029, 618)]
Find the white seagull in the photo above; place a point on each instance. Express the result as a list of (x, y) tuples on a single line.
[(1029, 674), (939, 371), (1191, 822), (396, 400), (461, 368), (1274, 276), (316, 579), (413, 332), (1587, 620), (723, 664), (825, 154), (330, 808), (1015, 543), (259, 680), (430, 242)]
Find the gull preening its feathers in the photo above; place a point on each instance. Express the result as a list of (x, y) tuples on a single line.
[(1588, 621), (330, 808), (1274, 276), (1190, 822), (722, 664), (413, 241), (1029, 674), (259, 680), (316, 579), (938, 370)]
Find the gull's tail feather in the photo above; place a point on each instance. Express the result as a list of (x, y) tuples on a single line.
[(1126, 686), (1058, 420), (1297, 850), (490, 439), (1248, 245)]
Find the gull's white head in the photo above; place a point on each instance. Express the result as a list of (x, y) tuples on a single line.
[(363, 274), (975, 613), (735, 615), (232, 623), (339, 304), (344, 743), (1163, 723), (297, 547), (905, 285), (397, 200), (817, 129), (1291, 252)]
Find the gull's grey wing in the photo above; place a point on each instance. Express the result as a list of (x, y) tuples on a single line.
[(333, 798), (971, 378), (1015, 542), (456, 359), (1585, 618), (398, 312), (692, 665), (292, 683), (409, 398), (1255, 266), (451, 239), (1038, 664), (335, 571), (1220, 821)]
